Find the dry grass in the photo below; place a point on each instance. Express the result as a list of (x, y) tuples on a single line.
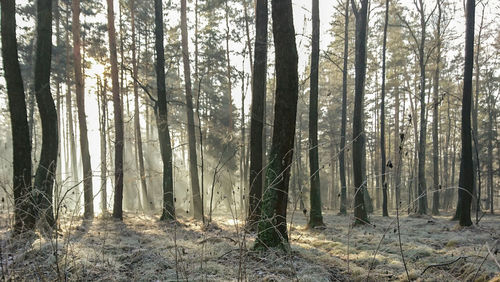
[(143, 249)]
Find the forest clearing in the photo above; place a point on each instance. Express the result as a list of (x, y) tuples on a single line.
[(143, 249)]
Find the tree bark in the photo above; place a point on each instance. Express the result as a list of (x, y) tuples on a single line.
[(343, 188), (137, 126), (69, 110), (44, 177), (272, 227), (82, 119), (257, 150), (435, 117), (382, 115), (466, 177), (24, 219), (315, 215), (359, 143), (103, 105), (118, 115), (168, 211), (193, 163), (422, 188)]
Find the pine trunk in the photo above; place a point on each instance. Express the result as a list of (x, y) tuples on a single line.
[(168, 211), (44, 177), (24, 219), (257, 149), (193, 162), (359, 143), (466, 177), (118, 115), (272, 227)]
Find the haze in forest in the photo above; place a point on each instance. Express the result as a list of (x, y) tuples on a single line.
[(262, 140)]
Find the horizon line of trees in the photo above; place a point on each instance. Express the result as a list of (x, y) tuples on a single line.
[(375, 163)]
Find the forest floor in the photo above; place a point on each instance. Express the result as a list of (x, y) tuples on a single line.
[(143, 249)]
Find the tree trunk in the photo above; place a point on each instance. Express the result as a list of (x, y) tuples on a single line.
[(137, 126), (193, 163), (382, 115), (44, 177), (398, 148), (257, 150), (448, 192), (103, 104), (57, 78), (422, 188), (343, 188), (69, 112), (315, 215), (162, 118), (435, 118), (466, 177), (24, 218), (118, 115), (490, 160), (359, 144), (272, 227), (228, 73), (80, 104)]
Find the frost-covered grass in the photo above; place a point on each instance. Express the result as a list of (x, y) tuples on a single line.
[(425, 241), (143, 249)]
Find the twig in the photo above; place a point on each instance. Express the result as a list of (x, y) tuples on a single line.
[(400, 244), (442, 264)]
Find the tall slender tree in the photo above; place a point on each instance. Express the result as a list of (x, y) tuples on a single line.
[(422, 61), (137, 125), (257, 111), (343, 188), (315, 216), (193, 162), (82, 119), (466, 177), (359, 142), (162, 118), (118, 114), (435, 116), (45, 173), (24, 218), (272, 227), (69, 104), (382, 114)]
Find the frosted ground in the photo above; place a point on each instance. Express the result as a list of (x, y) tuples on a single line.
[(141, 248)]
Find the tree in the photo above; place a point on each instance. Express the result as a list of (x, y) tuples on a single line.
[(382, 114), (82, 120), (193, 163), (69, 107), (137, 126), (44, 176), (422, 61), (168, 211), (118, 115), (435, 117), (358, 143), (343, 189), (315, 216), (466, 177), (272, 227), (257, 112), (24, 218), (103, 118)]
